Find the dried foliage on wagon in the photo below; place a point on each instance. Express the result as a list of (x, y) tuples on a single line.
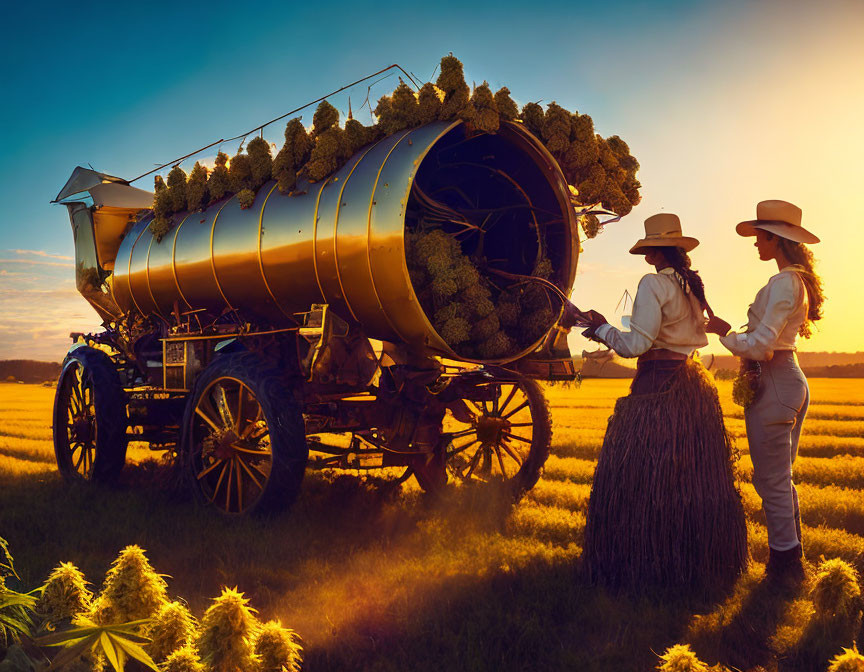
[(602, 170)]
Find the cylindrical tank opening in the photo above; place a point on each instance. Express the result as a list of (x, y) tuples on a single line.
[(481, 210)]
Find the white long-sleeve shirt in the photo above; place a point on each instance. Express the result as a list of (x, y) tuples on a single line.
[(664, 316), (773, 319)]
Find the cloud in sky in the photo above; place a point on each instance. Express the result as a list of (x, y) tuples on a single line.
[(40, 307), (42, 253), (36, 262)]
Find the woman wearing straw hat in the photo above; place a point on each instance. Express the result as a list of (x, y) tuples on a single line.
[(778, 395), (664, 510)]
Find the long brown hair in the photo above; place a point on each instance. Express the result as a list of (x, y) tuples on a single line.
[(801, 255), (679, 260)]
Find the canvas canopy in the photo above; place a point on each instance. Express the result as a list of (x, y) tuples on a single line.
[(105, 190)]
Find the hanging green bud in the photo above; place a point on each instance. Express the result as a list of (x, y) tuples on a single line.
[(132, 589), (172, 628), (383, 113), (162, 209), (451, 80), (583, 151), (428, 103), (533, 118), (293, 155), (240, 173), (556, 129), (485, 110), (177, 188), (507, 109), (404, 108), (497, 345), (196, 188), (278, 648), (484, 328), (158, 184), (327, 154), (297, 138), (245, 197), (64, 596), (219, 182), (260, 161), (590, 225), (286, 177), (627, 162), (326, 117), (591, 188), (183, 660), (454, 331), (225, 635), (356, 136)]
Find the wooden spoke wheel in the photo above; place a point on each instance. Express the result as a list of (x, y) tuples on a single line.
[(244, 442), (89, 417), (506, 440)]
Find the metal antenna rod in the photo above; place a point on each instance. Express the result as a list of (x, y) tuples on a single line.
[(262, 126)]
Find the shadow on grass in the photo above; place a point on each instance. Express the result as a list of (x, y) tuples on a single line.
[(539, 618), (821, 640)]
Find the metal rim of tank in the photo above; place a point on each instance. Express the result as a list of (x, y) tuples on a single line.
[(549, 167)]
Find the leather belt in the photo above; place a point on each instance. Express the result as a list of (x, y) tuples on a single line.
[(662, 353)]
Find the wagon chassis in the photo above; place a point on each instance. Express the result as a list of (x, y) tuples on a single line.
[(239, 340), (435, 421)]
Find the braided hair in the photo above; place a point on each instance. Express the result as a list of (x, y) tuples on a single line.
[(679, 260)]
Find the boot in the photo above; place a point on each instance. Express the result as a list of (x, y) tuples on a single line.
[(785, 569), (798, 531)]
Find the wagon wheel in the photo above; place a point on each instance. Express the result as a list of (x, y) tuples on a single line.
[(89, 417), (244, 444), (506, 440)]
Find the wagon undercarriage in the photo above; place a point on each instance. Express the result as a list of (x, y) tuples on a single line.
[(256, 341)]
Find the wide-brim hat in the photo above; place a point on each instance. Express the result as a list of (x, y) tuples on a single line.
[(780, 218), (663, 230)]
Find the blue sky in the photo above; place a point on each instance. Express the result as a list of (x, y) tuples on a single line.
[(724, 104)]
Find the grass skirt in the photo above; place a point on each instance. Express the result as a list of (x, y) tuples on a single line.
[(665, 511)]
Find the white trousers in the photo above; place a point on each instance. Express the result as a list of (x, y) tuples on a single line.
[(774, 422)]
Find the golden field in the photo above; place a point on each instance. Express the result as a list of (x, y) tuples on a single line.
[(376, 578)]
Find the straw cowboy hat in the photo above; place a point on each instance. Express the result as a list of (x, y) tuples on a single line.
[(663, 230), (780, 218)]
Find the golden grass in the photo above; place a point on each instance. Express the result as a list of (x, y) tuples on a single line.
[(379, 580)]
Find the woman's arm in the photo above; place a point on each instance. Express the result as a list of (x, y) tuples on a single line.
[(759, 341), (644, 322)]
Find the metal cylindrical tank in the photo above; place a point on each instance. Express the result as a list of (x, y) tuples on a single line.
[(342, 242)]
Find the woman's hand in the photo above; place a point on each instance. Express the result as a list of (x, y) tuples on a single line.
[(717, 325), (595, 321), (571, 316)]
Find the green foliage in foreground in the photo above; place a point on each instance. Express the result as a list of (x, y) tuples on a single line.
[(89, 633), (15, 607)]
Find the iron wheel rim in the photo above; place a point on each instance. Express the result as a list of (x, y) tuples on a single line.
[(496, 445), (80, 427), (233, 457)]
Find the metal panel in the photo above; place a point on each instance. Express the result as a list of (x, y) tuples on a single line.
[(287, 248), (139, 285), (386, 251), (192, 261), (341, 241), (235, 259), (160, 272), (120, 284), (353, 240)]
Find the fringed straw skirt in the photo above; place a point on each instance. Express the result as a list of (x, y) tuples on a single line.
[(665, 511)]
